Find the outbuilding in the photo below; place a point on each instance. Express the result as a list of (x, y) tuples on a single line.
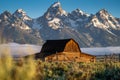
[(63, 50)]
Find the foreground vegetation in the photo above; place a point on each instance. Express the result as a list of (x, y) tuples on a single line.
[(30, 69)]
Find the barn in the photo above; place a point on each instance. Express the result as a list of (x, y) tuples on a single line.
[(63, 50)]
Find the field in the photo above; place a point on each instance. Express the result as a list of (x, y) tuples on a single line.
[(30, 69)]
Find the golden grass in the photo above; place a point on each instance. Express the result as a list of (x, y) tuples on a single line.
[(30, 69)]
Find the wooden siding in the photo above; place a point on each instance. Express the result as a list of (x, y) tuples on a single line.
[(72, 46), (87, 58), (70, 57)]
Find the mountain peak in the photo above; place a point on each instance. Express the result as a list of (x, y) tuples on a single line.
[(56, 4), (20, 11), (5, 15), (78, 14), (6, 12), (54, 10), (103, 14), (103, 11), (104, 20), (56, 7), (21, 14), (79, 11)]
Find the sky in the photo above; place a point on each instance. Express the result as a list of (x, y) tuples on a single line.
[(36, 8)]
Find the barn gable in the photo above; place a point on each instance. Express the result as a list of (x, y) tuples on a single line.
[(72, 46)]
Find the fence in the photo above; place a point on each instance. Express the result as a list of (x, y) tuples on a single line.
[(111, 57)]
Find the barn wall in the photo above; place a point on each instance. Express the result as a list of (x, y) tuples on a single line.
[(63, 56), (88, 58), (70, 57), (72, 46)]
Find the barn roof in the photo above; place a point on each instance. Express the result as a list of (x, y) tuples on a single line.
[(54, 46)]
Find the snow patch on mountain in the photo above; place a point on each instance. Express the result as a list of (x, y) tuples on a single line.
[(21, 11), (111, 32), (56, 4), (81, 12), (21, 26), (25, 27), (55, 10), (21, 14), (107, 20), (55, 20), (64, 13), (55, 23), (97, 23)]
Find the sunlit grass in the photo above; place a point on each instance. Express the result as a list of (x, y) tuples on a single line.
[(30, 69)]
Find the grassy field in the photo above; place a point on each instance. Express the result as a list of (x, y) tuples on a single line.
[(30, 69)]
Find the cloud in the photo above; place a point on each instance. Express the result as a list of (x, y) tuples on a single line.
[(102, 50), (15, 49)]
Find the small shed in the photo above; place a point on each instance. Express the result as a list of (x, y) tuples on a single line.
[(63, 50)]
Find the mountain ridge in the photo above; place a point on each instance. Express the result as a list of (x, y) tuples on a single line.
[(56, 23)]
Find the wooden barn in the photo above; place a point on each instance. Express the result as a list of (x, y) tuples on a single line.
[(63, 50)]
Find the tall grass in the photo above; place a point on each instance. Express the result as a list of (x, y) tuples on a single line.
[(30, 69)]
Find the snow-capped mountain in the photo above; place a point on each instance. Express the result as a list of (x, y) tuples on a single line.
[(53, 16), (54, 11), (5, 15), (99, 29), (15, 29), (20, 13), (78, 15), (104, 20)]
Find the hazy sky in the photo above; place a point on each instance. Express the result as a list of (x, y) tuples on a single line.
[(36, 8)]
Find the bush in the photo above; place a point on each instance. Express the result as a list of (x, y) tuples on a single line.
[(30, 69)]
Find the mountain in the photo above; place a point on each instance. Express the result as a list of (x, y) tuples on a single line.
[(20, 13), (99, 29), (14, 28)]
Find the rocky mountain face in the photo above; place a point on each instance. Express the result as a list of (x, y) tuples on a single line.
[(100, 29), (15, 28)]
